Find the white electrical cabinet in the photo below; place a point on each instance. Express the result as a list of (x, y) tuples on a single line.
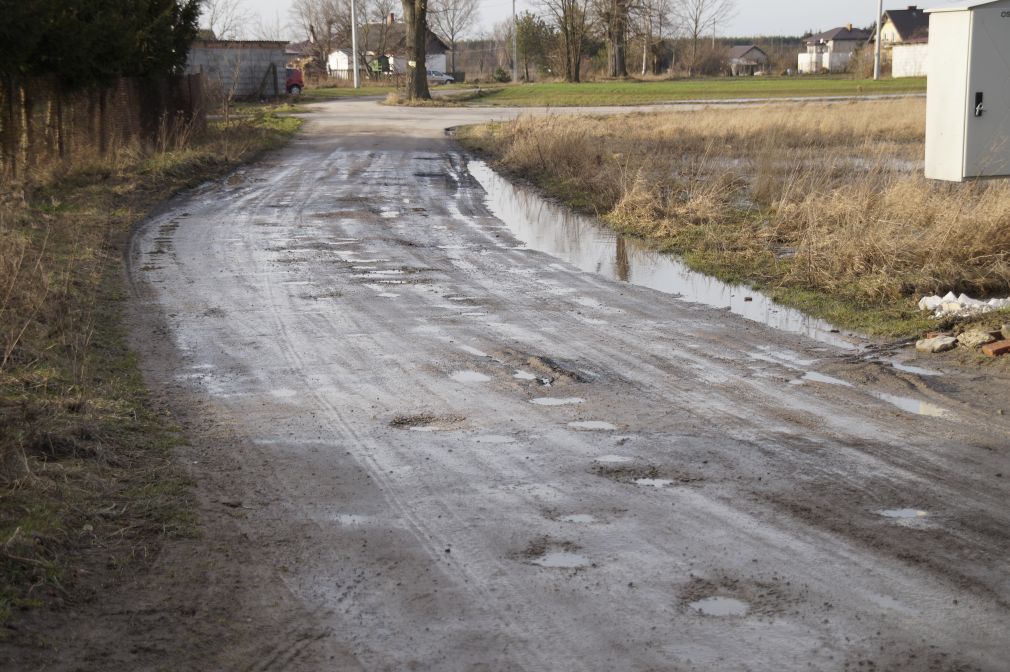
[(968, 91)]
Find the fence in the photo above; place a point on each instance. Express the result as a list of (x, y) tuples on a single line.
[(40, 124)]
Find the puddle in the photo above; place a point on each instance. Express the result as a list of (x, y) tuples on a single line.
[(583, 518), (560, 560), (917, 370), (469, 377), (473, 351), (914, 406), (903, 514), (556, 401), (815, 377), (524, 375), (351, 519), (587, 244), (614, 459), (388, 295), (720, 606), (592, 426), (653, 482)]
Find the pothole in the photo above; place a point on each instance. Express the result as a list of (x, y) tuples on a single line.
[(469, 377), (551, 554), (426, 423), (580, 518), (728, 597), (643, 475), (592, 426), (557, 401), (614, 459), (903, 514)]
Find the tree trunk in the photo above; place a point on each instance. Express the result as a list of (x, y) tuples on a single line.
[(617, 39), (415, 14)]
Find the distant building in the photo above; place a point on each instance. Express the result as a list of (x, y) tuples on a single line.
[(240, 68), (904, 26), (832, 51), (904, 41), (384, 46), (747, 60)]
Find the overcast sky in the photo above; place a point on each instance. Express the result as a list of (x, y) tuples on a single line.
[(753, 17)]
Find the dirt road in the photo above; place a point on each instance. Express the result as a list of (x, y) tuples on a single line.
[(420, 445)]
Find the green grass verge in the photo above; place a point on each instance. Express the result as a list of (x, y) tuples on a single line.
[(723, 88), (87, 481)]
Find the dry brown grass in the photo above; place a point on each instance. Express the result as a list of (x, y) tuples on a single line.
[(84, 466), (819, 196)]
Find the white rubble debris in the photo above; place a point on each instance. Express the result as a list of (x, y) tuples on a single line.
[(960, 306)]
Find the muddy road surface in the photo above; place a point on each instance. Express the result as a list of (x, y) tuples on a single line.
[(421, 445)]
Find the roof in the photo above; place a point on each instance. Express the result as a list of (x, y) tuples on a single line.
[(911, 23), (371, 36), (839, 35), (299, 48), (744, 49), (961, 5)]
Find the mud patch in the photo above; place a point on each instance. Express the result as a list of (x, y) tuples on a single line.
[(427, 423), (644, 475)]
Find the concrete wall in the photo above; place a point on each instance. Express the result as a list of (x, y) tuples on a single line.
[(830, 61), (239, 66), (909, 60)]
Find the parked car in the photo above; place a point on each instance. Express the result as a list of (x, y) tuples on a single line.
[(293, 82), (440, 77)]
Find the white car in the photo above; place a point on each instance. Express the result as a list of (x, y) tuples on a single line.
[(440, 77)]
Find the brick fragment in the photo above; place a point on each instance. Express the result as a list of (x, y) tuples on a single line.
[(996, 349)]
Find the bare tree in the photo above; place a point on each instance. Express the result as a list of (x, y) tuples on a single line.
[(415, 16), (325, 22), (651, 17), (572, 20), (225, 18), (700, 17), (615, 15), (452, 18), (268, 29)]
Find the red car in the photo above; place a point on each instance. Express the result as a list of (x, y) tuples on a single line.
[(294, 83)]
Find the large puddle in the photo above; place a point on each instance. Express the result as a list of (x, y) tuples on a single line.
[(586, 243)]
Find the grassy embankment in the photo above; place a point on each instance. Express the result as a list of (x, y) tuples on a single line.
[(722, 88), (821, 205), (86, 479)]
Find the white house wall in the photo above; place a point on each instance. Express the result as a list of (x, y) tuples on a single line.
[(909, 60)]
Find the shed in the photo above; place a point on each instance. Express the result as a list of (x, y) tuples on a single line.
[(240, 68), (968, 91), (909, 59), (747, 59)]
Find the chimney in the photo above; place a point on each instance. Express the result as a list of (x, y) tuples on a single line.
[(391, 19), (850, 27)]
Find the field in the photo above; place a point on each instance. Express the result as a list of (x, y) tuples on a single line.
[(823, 205), (722, 88), (85, 470)]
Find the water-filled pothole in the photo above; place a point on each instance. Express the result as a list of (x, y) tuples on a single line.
[(592, 426), (903, 514), (560, 560), (469, 377), (644, 475), (557, 401)]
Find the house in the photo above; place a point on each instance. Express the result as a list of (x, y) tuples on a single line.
[(240, 68), (747, 60), (904, 26), (904, 41), (832, 51), (384, 48)]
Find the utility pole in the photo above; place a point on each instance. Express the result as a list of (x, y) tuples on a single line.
[(876, 54), (354, 44), (515, 44)]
